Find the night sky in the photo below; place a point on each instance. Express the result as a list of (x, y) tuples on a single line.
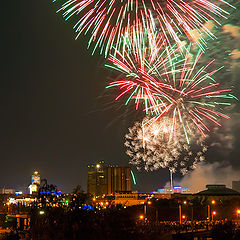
[(51, 118), (54, 118)]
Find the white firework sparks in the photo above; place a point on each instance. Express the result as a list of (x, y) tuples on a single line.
[(154, 145)]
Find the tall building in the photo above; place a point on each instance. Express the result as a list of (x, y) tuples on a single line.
[(97, 181), (35, 179), (118, 179), (109, 180), (35, 182), (236, 185)]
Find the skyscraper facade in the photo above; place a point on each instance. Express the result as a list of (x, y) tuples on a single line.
[(109, 180)]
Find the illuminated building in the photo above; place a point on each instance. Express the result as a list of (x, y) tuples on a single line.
[(118, 179), (129, 199), (175, 189), (24, 201), (33, 188), (125, 199), (97, 182), (35, 183), (109, 180), (35, 179)]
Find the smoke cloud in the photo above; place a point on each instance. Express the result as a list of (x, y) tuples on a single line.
[(222, 159), (206, 173)]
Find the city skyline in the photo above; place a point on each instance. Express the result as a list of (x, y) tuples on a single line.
[(55, 115)]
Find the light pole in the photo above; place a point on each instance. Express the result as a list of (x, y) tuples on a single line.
[(171, 179), (209, 210), (180, 213), (145, 207), (213, 214), (238, 213)]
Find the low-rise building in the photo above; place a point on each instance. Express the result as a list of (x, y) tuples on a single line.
[(7, 191)]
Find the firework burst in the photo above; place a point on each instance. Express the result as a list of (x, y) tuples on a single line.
[(167, 84), (108, 20), (138, 68), (198, 98), (150, 145)]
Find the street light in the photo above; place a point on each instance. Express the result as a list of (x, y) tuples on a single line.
[(141, 217), (180, 211), (213, 214), (41, 212), (98, 166), (145, 207), (238, 212), (209, 209)]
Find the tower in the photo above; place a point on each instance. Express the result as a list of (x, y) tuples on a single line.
[(108, 180), (35, 182), (35, 179)]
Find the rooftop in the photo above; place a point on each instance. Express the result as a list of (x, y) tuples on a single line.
[(218, 189)]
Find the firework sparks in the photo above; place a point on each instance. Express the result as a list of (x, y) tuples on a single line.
[(138, 70), (151, 145), (168, 84), (108, 20), (198, 98)]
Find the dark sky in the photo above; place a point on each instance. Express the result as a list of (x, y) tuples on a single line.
[(51, 120), (53, 116)]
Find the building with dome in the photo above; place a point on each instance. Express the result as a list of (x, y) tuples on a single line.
[(218, 190)]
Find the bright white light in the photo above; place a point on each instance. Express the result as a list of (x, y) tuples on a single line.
[(98, 166), (41, 212)]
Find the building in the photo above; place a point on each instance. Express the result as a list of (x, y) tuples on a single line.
[(218, 192), (7, 191), (118, 179), (35, 183), (125, 199), (175, 189), (236, 185), (35, 179), (109, 180)]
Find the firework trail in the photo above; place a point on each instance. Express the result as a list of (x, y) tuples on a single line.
[(199, 100), (151, 146), (138, 70), (167, 84), (107, 21)]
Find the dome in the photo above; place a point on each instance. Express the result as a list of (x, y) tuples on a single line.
[(218, 189)]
